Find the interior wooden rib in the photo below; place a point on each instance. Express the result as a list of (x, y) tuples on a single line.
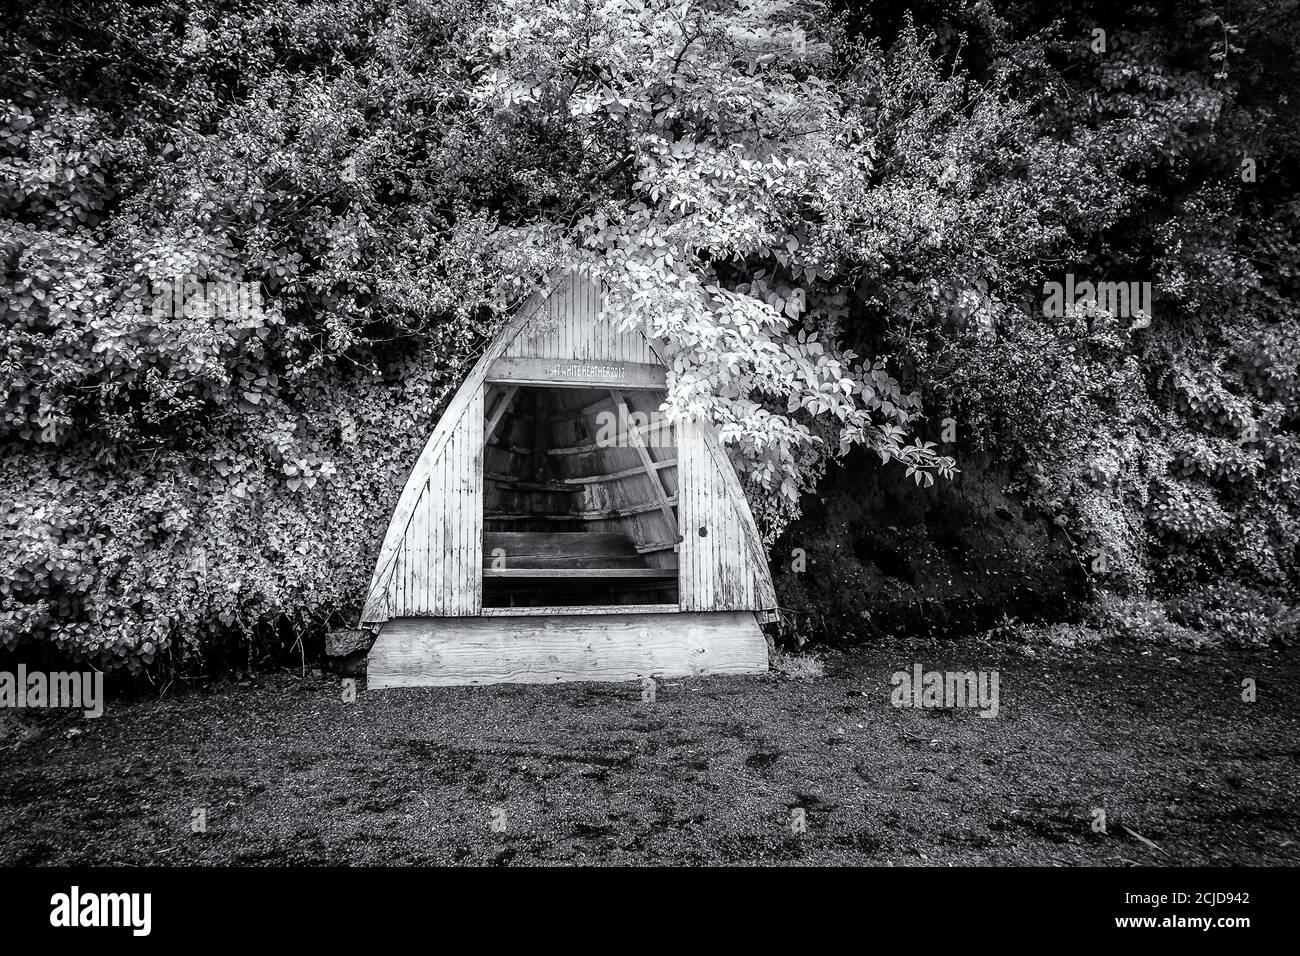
[(579, 498)]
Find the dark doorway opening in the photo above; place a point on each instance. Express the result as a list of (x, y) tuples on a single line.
[(579, 498)]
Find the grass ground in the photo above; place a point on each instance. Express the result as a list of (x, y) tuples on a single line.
[(711, 772)]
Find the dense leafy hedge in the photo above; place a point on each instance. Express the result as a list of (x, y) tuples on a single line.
[(249, 248)]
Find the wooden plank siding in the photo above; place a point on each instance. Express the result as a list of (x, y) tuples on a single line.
[(571, 326), (436, 572), (723, 569)]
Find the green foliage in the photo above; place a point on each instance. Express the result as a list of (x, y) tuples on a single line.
[(1226, 613), (248, 250), (177, 554), (1169, 445), (1235, 613), (719, 147)]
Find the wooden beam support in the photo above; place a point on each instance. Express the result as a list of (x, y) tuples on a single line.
[(579, 572), (513, 449), (616, 475), (577, 515), (558, 609), (659, 546), (574, 644), (621, 440), (647, 463), (576, 373), (522, 484), (499, 410)]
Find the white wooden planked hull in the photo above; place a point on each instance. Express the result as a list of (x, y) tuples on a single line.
[(529, 545)]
